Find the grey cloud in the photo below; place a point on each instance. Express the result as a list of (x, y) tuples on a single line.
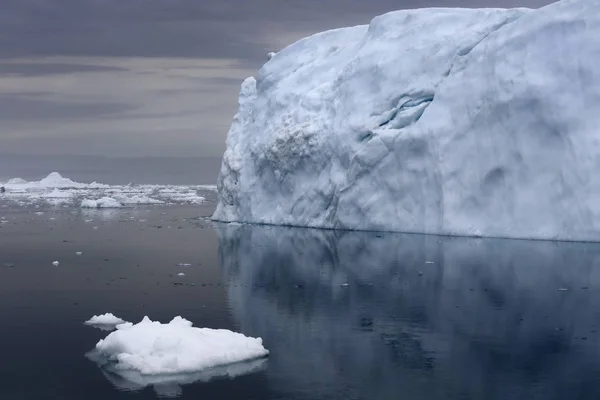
[(25, 108), (36, 69), (147, 77), (183, 28)]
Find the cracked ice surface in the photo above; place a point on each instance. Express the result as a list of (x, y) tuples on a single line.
[(405, 125), (56, 190)]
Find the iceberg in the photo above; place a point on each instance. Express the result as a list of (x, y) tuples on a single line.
[(150, 348), (439, 121)]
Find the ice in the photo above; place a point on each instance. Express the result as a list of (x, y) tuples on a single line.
[(152, 349), (106, 321), (104, 202), (56, 190), (406, 125), (137, 199), (55, 263), (181, 274), (79, 253)]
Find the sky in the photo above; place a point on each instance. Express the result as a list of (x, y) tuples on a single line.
[(137, 78)]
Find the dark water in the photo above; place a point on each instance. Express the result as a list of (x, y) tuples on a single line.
[(345, 315)]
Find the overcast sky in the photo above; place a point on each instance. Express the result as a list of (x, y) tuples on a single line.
[(150, 77)]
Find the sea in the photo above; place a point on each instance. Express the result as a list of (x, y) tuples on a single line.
[(344, 315)]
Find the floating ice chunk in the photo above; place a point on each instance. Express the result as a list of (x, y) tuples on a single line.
[(55, 263), (138, 199), (181, 274), (184, 265), (104, 202), (150, 348), (79, 253), (107, 320)]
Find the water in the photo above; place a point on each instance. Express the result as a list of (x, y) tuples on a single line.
[(346, 315)]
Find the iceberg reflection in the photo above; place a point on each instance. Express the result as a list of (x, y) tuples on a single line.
[(170, 386), (378, 315)]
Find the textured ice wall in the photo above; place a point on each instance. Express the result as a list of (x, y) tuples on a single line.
[(449, 121)]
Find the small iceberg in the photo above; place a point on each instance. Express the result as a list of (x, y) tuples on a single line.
[(152, 353), (106, 321)]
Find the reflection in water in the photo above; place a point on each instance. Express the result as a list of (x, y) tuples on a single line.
[(362, 315), (170, 386)]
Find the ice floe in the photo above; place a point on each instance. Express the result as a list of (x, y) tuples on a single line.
[(104, 202), (56, 190), (152, 353), (106, 322)]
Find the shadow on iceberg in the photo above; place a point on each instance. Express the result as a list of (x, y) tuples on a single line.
[(372, 315), (170, 386)]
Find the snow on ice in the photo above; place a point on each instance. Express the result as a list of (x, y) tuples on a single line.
[(56, 190), (405, 125), (151, 353)]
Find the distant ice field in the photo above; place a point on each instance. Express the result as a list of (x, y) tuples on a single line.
[(58, 191)]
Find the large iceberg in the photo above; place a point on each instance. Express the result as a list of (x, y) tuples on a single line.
[(446, 121)]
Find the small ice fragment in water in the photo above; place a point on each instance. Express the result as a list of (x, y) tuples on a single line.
[(181, 274), (79, 253), (345, 285), (105, 319), (9, 265), (184, 265), (429, 262), (563, 289), (55, 263)]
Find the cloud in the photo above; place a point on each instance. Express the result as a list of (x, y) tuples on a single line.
[(119, 106), (141, 77)]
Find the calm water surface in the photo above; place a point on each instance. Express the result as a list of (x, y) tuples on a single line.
[(346, 315)]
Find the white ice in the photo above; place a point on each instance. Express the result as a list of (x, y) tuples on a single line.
[(447, 121), (106, 321), (104, 202), (150, 348), (56, 190)]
